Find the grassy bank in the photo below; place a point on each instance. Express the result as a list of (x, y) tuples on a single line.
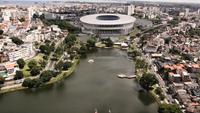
[(64, 74), (59, 77)]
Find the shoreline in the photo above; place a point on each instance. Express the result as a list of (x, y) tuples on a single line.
[(59, 77)]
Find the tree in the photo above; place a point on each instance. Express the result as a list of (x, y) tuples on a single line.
[(46, 76), (108, 42), (22, 19), (141, 64), (35, 71), (83, 51), (59, 65), (169, 108), (1, 32), (32, 64), (26, 82), (21, 63), (18, 75), (17, 41), (70, 40), (45, 49), (147, 81), (158, 91), (34, 83), (67, 65), (42, 63), (35, 16), (91, 44), (2, 80)]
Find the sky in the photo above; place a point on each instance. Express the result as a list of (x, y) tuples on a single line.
[(177, 1)]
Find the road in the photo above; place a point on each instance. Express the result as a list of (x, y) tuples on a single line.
[(50, 64), (149, 60)]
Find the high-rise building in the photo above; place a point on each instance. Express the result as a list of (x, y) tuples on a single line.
[(198, 11), (130, 9), (187, 12)]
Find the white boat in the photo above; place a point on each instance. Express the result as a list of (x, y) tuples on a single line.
[(91, 60), (121, 75), (95, 110), (109, 111)]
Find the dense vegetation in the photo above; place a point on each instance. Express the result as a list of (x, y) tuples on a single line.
[(21, 63), (17, 41), (147, 81), (63, 24), (169, 108)]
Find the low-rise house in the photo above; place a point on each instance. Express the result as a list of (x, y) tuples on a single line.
[(150, 49), (194, 68), (183, 97)]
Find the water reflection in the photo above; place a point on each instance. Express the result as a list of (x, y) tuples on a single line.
[(91, 86)]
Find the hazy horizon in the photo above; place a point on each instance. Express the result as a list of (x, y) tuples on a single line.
[(172, 1)]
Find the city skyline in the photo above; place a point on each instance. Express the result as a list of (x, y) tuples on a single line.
[(172, 1)]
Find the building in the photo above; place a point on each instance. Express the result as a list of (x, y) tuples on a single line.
[(107, 24), (130, 9)]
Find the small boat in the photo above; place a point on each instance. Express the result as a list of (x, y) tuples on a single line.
[(109, 111), (121, 75), (95, 110), (91, 60)]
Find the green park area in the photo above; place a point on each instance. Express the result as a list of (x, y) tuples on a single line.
[(26, 69)]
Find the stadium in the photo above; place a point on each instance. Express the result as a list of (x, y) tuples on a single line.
[(107, 24)]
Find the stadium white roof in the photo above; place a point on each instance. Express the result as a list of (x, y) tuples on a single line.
[(107, 19)]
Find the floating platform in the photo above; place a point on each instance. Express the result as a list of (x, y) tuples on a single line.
[(126, 76)]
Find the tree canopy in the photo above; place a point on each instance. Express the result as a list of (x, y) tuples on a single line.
[(147, 81), (32, 64), (2, 80), (45, 49), (17, 41), (18, 75), (169, 108), (21, 63), (46, 76), (35, 71), (1, 32)]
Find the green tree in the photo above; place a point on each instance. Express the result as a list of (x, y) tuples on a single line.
[(34, 83), (22, 19), (83, 51), (158, 91), (59, 66), (21, 63), (141, 64), (2, 80), (108, 42), (169, 108), (147, 81), (91, 44), (26, 82), (18, 75), (35, 71), (42, 63), (46, 76), (67, 65), (1, 32), (32, 64), (17, 41), (70, 40), (45, 49)]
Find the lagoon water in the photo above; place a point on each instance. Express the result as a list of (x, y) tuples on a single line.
[(92, 85)]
